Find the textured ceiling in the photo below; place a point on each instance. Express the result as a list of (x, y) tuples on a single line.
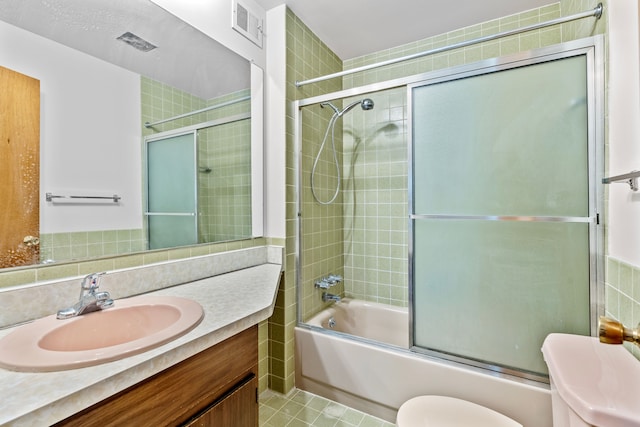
[(185, 58), (351, 28)]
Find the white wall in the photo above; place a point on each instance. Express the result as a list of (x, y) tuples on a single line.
[(624, 129), (89, 132), (275, 120), (214, 18)]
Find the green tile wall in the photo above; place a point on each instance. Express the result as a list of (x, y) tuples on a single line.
[(90, 244), (376, 200), (226, 192), (307, 57), (161, 101), (322, 248), (224, 182)]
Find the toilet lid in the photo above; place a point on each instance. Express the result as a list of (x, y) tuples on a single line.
[(443, 411)]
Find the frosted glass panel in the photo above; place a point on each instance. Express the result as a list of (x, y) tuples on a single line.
[(491, 291), (171, 174), (507, 143), (171, 191), (169, 231)]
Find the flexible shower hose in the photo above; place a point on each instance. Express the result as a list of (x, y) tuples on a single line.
[(331, 126)]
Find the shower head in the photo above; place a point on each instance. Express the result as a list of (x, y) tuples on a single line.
[(365, 104)]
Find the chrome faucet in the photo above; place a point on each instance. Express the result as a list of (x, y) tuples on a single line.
[(329, 281), (90, 300), (326, 297)]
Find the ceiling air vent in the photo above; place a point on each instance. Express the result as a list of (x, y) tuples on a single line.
[(137, 42), (247, 22)]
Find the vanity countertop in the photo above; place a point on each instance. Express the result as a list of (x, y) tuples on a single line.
[(232, 302)]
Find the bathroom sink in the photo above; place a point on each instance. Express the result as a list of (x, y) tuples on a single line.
[(131, 326)]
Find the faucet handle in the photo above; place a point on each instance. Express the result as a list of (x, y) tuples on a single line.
[(323, 283), (335, 278), (92, 281)]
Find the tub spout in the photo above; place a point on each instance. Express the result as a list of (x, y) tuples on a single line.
[(326, 297)]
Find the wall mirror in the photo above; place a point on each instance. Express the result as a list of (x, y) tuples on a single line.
[(104, 70)]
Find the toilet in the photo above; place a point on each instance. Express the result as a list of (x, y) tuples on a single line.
[(592, 384), (443, 411)]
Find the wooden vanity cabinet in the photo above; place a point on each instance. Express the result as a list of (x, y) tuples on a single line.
[(232, 409), (217, 387)]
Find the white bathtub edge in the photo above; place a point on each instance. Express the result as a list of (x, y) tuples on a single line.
[(377, 380)]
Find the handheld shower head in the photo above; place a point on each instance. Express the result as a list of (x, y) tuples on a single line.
[(365, 104)]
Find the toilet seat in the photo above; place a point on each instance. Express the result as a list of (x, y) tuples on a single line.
[(443, 411)]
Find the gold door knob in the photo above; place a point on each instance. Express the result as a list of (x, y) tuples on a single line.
[(31, 240), (613, 332)]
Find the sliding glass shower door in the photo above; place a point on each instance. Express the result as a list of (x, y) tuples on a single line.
[(503, 214), (171, 191)]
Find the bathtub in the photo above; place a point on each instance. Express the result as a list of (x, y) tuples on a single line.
[(378, 377)]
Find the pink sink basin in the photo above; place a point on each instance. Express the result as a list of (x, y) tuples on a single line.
[(130, 327)]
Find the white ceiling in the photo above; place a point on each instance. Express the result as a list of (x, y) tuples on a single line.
[(353, 28), (185, 58)]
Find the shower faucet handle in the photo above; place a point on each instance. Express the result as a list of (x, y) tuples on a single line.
[(334, 278), (329, 281), (323, 283)]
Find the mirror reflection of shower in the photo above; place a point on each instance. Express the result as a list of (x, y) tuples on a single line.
[(366, 104)]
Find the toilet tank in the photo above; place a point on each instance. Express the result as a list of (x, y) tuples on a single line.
[(592, 384)]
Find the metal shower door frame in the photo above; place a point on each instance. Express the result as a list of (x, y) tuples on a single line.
[(160, 137), (593, 50), (193, 129)]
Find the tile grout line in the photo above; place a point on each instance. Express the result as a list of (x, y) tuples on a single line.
[(287, 410)]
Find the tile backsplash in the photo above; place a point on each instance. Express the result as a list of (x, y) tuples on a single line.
[(90, 244)]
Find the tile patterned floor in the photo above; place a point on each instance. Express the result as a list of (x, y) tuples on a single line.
[(302, 409)]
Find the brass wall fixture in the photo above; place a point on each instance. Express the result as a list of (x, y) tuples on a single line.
[(613, 332)]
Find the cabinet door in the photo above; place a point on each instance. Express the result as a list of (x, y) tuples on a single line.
[(239, 408), (181, 392)]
